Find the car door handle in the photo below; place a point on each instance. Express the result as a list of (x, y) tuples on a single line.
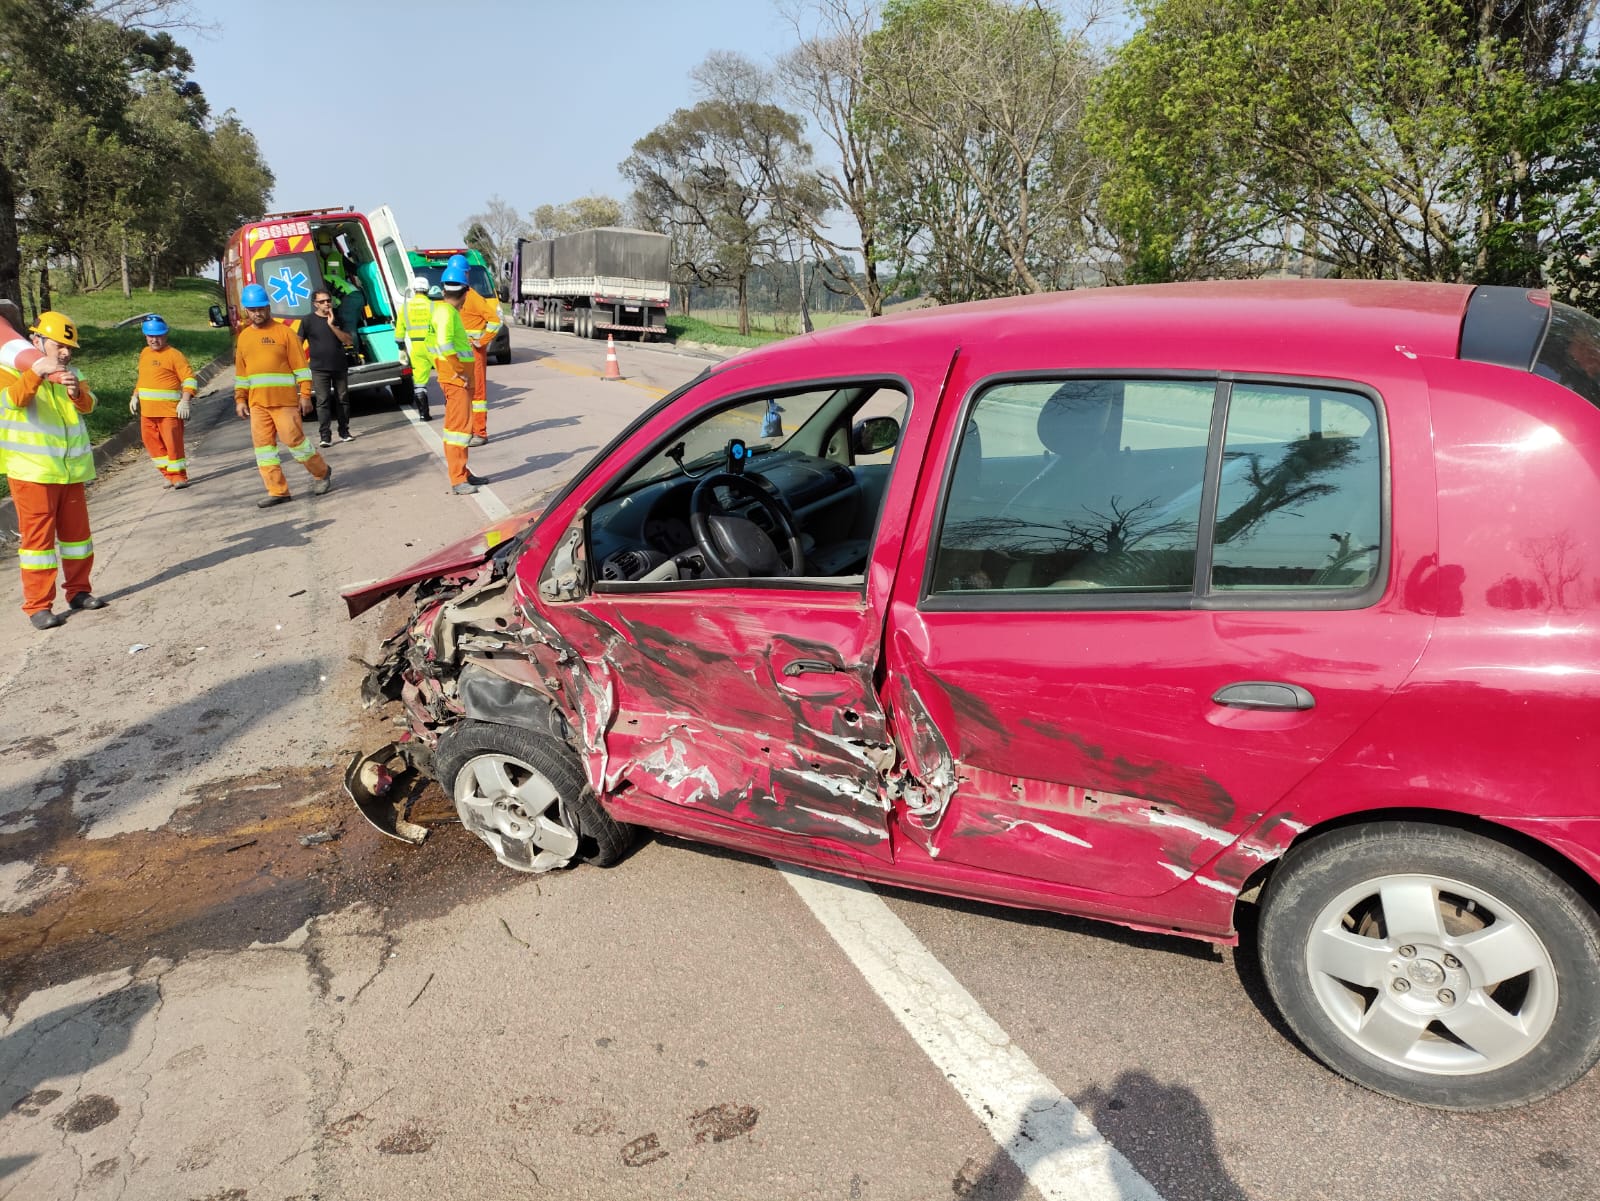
[(1264, 694), (799, 667)]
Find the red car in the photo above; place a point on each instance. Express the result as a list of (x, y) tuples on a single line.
[(1144, 604)]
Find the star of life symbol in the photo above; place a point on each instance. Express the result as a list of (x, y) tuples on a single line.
[(288, 290)]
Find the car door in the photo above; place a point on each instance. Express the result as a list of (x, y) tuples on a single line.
[(741, 711), (1138, 611)]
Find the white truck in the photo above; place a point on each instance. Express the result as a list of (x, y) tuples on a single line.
[(594, 282)]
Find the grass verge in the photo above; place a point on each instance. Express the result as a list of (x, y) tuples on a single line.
[(693, 329), (108, 357)]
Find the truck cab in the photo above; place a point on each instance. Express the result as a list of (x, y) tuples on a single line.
[(430, 264), (358, 257)]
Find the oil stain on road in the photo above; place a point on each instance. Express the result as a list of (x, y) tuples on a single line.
[(250, 861)]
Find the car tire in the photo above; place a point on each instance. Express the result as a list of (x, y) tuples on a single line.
[(523, 793), (1434, 965)]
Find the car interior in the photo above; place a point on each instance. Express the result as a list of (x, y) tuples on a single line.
[(785, 486)]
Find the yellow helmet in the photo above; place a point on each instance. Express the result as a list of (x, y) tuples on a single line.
[(58, 327)]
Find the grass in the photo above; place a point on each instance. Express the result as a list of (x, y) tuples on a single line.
[(693, 329), (108, 357)]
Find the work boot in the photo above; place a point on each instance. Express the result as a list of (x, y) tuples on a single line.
[(479, 480), (45, 620), (318, 487), (181, 484), (266, 502), (423, 414), (477, 440), (86, 600), (464, 489)]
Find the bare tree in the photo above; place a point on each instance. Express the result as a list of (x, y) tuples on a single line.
[(501, 224)]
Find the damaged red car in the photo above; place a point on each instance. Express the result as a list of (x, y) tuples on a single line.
[(1144, 604)]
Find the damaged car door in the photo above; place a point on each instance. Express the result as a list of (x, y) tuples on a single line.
[(717, 602)]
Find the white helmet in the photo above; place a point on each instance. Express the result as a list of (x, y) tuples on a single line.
[(418, 284)]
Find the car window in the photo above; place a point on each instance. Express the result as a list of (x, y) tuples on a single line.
[(1570, 354), (1077, 484), (1300, 502), (399, 266), (289, 279)]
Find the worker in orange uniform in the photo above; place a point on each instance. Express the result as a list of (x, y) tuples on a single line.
[(272, 390), (451, 352), (48, 459), (161, 399), (480, 315)]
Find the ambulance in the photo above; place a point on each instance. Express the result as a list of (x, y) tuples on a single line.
[(358, 257)]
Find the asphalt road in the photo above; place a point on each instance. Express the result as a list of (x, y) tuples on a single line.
[(218, 982)]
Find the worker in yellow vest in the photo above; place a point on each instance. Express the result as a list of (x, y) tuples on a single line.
[(413, 329), (452, 360), (480, 316), (45, 446), (161, 397)]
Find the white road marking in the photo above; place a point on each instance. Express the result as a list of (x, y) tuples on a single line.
[(487, 500), (1046, 1135)]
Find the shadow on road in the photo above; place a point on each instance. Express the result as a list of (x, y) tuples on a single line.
[(1185, 1159), (277, 536)]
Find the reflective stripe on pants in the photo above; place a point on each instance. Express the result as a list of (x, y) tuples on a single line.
[(267, 428), (48, 514), (457, 429), (163, 438)]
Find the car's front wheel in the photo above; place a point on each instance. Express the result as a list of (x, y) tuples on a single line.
[(523, 792), (1434, 965)]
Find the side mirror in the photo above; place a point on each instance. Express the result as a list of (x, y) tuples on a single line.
[(874, 435), (214, 315)]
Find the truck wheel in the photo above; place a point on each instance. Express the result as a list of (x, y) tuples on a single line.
[(523, 792), (1434, 965)]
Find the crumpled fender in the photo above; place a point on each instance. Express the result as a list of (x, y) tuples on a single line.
[(458, 556)]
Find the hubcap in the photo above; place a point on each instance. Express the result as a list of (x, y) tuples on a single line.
[(517, 811), (1431, 974)]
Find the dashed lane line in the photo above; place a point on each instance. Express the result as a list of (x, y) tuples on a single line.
[(1045, 1134)]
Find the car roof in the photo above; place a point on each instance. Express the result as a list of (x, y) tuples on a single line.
[(1232, 319)]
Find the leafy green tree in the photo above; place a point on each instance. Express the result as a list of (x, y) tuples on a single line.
[(983, 177), (586, 212)]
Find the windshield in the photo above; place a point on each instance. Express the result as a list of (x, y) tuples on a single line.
[(477, 276), (704, 443), (1571, 352)]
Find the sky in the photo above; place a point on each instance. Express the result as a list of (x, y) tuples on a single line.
[(432, 108)]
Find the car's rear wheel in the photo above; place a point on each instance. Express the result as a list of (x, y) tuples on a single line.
[(523, 792), (1434, 965)]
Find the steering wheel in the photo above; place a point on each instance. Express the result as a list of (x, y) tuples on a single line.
[(736, 546)]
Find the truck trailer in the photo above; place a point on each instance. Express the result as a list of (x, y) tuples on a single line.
[(594, 282)]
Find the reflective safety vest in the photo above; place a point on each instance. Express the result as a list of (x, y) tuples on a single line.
[(449, 346), (43, 438), (164, 380), (413, 331)]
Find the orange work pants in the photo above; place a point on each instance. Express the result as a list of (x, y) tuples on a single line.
[(480, 391), (457, 428), (267, 428), (53, 520), (163, 438)]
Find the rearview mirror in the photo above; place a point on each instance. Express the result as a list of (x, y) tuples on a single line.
[(874, 434), (214, 315)]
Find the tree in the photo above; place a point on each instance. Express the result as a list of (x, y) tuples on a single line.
[(977, 108), (586, 212), (825, 75), (498, 228), (729, 174), (1423, 139)]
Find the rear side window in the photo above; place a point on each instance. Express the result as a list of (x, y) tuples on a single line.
[(1571, 352), (1299, 504), (289, 279)]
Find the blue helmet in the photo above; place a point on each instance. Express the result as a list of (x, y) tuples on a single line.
[(153, 325), (454, 274), (254, 296), (457, 260)]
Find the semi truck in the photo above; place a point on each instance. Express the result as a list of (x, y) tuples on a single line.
[(357, 256), (594, 282)]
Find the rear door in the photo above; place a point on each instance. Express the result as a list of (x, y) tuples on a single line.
[(392, 262), (1141, 610)]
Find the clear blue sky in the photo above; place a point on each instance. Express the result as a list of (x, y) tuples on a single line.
[(532, 100)]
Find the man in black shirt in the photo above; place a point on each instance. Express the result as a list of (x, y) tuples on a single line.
[(326, 341)]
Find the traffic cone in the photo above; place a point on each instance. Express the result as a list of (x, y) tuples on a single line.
[(612, 370)]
